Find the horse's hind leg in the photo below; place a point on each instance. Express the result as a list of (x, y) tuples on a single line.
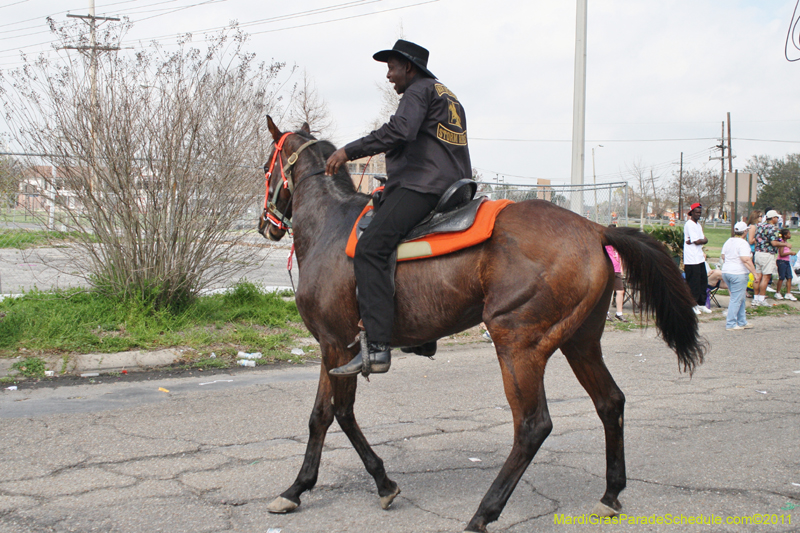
[(344, 400), (523, 381), (321, 419), (585, 357)]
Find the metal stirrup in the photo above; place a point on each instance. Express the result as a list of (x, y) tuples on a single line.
[(366, 363)]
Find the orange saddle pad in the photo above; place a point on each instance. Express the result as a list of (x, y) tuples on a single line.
[(442, 243)]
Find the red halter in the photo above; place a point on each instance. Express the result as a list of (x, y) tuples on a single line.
[(267, 211), (271, 211)]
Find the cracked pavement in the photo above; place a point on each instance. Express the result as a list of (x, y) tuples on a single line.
[(210, 454)]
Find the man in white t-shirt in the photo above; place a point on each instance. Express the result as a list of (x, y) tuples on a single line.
[(694, 262)]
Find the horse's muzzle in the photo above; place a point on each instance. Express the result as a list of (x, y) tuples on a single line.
[(275, 234), (268, 229)]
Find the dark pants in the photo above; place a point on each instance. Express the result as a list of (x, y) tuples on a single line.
[(697, 278), (399, 212)]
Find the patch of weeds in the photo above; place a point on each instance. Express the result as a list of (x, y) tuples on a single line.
[(626, 326), (288, 357), (30, 367), (772, 310), (7, 379), (208, 362)]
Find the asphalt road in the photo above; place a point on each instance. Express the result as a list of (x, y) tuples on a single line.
[(213, 451), (55, 268)]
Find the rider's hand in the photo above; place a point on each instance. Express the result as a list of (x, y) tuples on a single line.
[(335, 161)]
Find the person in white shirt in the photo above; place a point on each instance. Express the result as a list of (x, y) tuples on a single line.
[(735, 271), (694, 262)]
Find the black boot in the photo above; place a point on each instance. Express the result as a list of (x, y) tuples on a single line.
[(380, 357), (427, 350)]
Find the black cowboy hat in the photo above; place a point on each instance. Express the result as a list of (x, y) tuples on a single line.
[(413, 52)]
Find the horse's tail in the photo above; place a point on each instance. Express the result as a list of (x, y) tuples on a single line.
[(663, 293)]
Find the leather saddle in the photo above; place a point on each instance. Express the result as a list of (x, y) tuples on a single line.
[(456, 211)]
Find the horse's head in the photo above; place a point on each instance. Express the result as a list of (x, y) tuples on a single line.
[(283, 172)]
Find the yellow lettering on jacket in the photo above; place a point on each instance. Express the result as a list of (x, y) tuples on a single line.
[(450, 136), (441, 89)]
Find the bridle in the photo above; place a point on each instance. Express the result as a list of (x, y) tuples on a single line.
[(271, 213)]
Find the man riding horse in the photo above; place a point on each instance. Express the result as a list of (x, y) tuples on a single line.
[(425, 143)]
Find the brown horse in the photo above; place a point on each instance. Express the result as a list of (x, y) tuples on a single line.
[(542, 282)]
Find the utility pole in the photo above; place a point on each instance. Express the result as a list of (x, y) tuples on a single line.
[(655, 197), (594, 183), (730, 147), (722, 147), (722, 172), (93, 49), (680, 191), (579, 109)]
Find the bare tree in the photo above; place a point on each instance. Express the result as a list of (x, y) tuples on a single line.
[(641, 192), (10, 177), (389, 102), (308, 107), (697, 186), (159, 162)]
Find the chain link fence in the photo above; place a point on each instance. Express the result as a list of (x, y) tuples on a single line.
[(604, 203), (37, 251), (35, 246)]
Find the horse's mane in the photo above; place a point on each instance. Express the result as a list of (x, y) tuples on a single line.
[(342, 180)]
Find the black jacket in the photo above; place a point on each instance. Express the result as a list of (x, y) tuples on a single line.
[(425, 140)]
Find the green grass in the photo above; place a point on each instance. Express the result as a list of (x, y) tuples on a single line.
[(716, 238), (76, 321), (17, 238)]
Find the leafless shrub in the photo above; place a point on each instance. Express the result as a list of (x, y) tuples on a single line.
[(156, 160), (308, 107)]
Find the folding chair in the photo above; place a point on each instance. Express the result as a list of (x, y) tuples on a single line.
[(630, 296), (711, 294)]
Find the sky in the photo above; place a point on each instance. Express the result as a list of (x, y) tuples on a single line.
[(661, 76)]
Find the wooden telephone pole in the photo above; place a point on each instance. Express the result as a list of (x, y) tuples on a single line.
[(93, 48), (723, 147)]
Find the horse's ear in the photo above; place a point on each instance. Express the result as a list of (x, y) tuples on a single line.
[(273, 129), (305, 128)]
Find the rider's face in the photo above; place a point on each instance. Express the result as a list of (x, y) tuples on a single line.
[(400, 74)]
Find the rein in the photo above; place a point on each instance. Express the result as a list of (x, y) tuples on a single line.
[(271, 212)]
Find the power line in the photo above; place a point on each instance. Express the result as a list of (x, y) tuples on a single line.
[(346, 18), (39, 19), (279, 18), (590, 140), (14, 3), (347, 5), (169, 12), (124, 2), (766, 140)]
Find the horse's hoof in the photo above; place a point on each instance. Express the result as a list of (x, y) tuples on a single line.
[(386, 501), (281, 505), (601, 509)]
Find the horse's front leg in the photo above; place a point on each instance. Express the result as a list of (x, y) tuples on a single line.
[(321, 418), (344, 399)]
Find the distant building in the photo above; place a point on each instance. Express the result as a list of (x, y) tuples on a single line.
[(35, 192), (364, 170)]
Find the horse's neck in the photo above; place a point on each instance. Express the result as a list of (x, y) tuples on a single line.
[(319, 214)]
